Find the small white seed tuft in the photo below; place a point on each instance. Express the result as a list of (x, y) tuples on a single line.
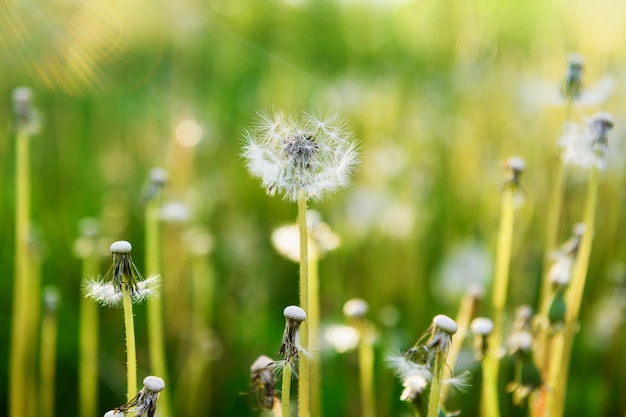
[(158, 175), (604, 118), (153, 383), (445, 323), (355, 308), (516, 164), (294, 313), (121, 246), (482, 326)]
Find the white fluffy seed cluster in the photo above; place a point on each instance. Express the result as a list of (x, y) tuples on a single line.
[(516, 164), (121, 246), (445, 323), (355, 308), (153, 383), (261, 363), (294, 313)]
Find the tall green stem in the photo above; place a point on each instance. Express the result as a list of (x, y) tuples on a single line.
[(313, 321), (131, 356), (561, 355), (435, 385), (88, 334), (286, 390), (155, 306), (20, 330), (303, 384), (500, 287), (366, 370), (47, 363)]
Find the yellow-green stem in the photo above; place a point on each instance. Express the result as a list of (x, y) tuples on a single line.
[(286, 389), (20, 331), (469, 304), (303, 383), (435, 385), (562, 353), (366, 370), (131, 356), (47, 362), (489, 404), (155, 307), (313, 322), (88, 334)]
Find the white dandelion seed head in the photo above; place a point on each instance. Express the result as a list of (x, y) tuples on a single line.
[(22, 95), (341, 337), (113, 413), (521, 341), (158, 176), (121, 246), (587, 146), (516, 164), (294, 313), (153, 383), (355, 308), (290, 155), (445, 324), (481, 326)]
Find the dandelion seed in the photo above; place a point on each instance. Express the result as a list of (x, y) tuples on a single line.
[(311, 155), (355, 308), (144, 403), (482, 328), (26, 115)]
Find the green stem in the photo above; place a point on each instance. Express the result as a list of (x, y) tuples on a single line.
[(155, 305), (88, 369), (562, 353), (131, 358), (47, 362), (489, 406), (313, 320), (286, 388), (303, 384), (20, 324), (500, 287), (366, 368), (435, 385)]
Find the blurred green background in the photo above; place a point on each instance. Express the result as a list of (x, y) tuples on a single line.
[(439, 94)]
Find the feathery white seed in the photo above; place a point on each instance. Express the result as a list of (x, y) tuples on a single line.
[(516, 164)]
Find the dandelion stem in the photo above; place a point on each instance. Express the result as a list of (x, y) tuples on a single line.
[(313, 316), (489, 402), (155, 304), (286, 388), (562, 352), (366, 368), (435, 387), (500, 286), (303, 384), (88, 369), (20, 330), (131, 358), (47, 361)]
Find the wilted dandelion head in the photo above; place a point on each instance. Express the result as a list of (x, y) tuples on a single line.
[(262, 382), (105, 293), (144, 403), (573, 84), (294, 316), (587, 146), (310, 154)]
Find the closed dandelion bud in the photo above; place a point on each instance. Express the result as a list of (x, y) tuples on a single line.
[(558, 309)]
